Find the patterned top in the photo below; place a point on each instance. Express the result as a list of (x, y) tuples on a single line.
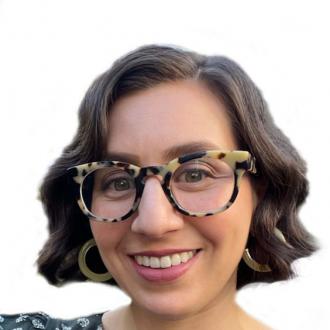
[(41, 320)]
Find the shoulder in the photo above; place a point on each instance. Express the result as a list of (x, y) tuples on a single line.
[(42, 320), (23, 321)]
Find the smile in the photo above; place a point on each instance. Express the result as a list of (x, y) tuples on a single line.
[(165, 261), (166, 267)]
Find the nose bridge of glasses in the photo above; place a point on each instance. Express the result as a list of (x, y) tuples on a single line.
[(153, 171)]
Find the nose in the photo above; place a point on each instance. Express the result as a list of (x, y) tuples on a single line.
[(155, 215)]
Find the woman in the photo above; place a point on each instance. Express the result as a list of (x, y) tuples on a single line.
[(180, 181)]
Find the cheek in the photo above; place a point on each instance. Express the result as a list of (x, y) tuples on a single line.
[(231, 227), (108, 236)]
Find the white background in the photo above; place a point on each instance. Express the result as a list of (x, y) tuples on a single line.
[(50, 51)]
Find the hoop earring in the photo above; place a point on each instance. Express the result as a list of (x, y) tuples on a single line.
[(253, 264), (262, 267), (96, 277)]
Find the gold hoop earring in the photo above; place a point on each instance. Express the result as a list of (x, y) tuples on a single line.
[(253, 264), (96, 277), (261, 267), (281, 237)]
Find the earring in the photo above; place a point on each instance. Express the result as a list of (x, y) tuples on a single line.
[(253, 264), (96, 277), (261, 267)]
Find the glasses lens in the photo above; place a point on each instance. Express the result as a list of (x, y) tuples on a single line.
[(109, 192), (203, 184)]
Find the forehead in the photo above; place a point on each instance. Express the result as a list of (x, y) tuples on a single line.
[(185, 114)]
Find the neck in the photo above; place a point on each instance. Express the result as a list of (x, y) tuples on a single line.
[(211, 319)]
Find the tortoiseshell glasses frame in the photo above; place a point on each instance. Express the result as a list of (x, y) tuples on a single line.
[(238, 161)]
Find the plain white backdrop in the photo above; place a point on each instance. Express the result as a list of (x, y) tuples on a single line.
[(50, 51)]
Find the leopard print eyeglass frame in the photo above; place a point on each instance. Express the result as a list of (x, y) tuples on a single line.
[(238, 161)]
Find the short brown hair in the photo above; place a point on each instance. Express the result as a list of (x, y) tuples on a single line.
[(282, 171)]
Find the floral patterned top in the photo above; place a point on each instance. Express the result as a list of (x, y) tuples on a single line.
[(41, 320)]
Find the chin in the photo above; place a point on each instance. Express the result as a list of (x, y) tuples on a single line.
[(171, 307)]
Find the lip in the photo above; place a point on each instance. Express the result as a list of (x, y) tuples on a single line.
[(160, 253), (163, 275)]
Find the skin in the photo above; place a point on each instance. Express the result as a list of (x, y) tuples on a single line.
[(144, 125)]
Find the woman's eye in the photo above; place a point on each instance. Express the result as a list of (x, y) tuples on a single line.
[(118, 184), (194, 175), (121, 184)]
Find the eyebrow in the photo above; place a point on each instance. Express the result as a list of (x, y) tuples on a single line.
[(168, 154)]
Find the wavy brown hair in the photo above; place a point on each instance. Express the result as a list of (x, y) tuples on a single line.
[(281, 170)]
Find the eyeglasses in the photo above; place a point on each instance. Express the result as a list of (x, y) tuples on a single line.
[(198, 184)]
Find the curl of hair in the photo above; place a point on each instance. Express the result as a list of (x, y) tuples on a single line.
[(281, 170)]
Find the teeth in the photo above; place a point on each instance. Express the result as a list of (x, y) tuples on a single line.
[(145, 261), (154, 262), (175, 259), (139, 260), (184, 256), (165, 261)]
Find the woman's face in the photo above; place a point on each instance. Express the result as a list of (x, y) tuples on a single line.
[(144, 127)]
